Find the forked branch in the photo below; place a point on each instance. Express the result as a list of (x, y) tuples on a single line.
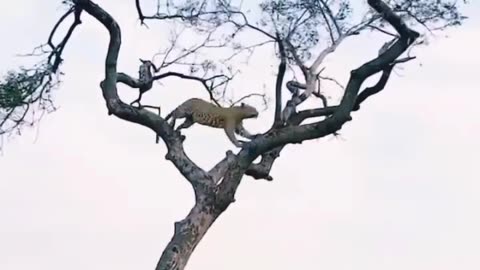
[(275, 139)]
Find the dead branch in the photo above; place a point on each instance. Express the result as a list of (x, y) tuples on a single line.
[(208, 83), (262, 96)]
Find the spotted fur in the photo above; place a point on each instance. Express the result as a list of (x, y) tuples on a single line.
[(196, 110)]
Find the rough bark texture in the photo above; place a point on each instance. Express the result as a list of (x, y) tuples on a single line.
[(187, 235), (215, 189)]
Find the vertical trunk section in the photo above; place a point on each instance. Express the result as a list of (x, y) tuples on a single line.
[(188, 233)]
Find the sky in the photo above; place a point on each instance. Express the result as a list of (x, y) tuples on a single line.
[(398, 190)]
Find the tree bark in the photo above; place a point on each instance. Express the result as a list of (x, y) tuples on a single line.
[(215, 190), (188, 233)]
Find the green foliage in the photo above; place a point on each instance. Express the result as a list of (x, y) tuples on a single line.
[(22, 93), (18, 87), (433, 14), (306, 23)]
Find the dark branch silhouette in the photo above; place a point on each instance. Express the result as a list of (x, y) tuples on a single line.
[(292, 26)]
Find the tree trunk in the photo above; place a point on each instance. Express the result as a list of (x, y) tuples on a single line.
[(188, 233)]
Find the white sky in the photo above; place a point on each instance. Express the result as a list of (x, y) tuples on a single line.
[(93, 192)]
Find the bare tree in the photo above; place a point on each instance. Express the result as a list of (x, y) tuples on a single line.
[(303, 33)]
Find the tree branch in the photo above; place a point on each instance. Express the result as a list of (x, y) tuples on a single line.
[(135, 83), (279, 82), (330, 14), (190, 230), (296, 134), (321, 57), (215, 189), (140, 13), (380, 85), (203, 81), (219, 170), (369, 91), (115, 106), (261, 170), (58, 50), (55, 27)]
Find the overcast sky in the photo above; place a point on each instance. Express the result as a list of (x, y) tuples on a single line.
[(399, 190)]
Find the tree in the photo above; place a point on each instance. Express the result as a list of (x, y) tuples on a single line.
[(299, 31)]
